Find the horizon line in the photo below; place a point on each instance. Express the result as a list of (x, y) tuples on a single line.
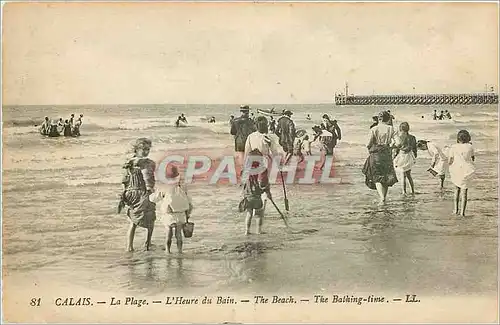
[(180, 104)]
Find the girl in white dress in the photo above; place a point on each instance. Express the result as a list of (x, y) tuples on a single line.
[(173, 206), (406, 153), (461, 160), (439, 162)]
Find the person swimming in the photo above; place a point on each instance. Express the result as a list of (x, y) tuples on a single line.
[(212, 120), (180, 119), (308, 117)]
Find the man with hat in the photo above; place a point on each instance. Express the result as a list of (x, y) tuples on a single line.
[(241, 128), (285, 130)]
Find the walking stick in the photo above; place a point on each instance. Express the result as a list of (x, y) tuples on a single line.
[(287, 208), (281, 214)]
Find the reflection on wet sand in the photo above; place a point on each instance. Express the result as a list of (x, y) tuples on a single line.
[(387, 248), (245, 264)]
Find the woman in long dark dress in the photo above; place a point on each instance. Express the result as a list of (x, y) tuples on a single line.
[(378, 169), (139, 183)]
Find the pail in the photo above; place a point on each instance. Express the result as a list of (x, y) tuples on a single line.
[(188, 229)]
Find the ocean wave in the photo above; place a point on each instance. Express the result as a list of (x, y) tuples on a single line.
[(92, 182), (22, 130), (96, 123), (21, 122), (54, 185)]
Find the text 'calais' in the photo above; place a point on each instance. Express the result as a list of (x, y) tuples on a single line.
[(72, 301)]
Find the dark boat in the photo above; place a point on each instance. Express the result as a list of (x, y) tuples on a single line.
[(268, 112)]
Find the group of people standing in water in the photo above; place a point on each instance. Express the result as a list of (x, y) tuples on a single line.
[(391, 151), (441, 116), (68, 128), (181, 120), (293, 141), (262, 137)]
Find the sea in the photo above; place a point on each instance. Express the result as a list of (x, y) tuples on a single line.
[(60, 195)]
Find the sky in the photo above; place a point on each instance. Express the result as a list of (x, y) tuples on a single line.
[(233, 53)]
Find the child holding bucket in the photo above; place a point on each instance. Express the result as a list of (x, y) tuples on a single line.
[(174, 207)]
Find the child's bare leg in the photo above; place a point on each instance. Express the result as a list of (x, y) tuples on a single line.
[(301, 158), (457, 199), (323, 160), (464, 202), (385, 189), (260, 223), (130, 237), (403, 184), (260, 220), (442, 180), (170, 234), (248, 221), (410, 181), (380, 191), (148, 238), (178, 236)]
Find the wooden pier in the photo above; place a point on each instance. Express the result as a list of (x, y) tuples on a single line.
[(418, 99)]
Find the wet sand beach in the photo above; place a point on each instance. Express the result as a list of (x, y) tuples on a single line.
[(60, 223)]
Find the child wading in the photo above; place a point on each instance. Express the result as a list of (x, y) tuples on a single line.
[(461, 160), (439, 162), (326, 139), (406, 153), (139, 182), (253, 189), (306, 145), (298, 146), (174, 208)]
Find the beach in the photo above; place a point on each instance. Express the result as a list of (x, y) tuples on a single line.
[(60, 223)]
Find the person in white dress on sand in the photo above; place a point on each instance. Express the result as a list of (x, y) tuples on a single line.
[(439, 162), (461, 159), (174, 207)]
